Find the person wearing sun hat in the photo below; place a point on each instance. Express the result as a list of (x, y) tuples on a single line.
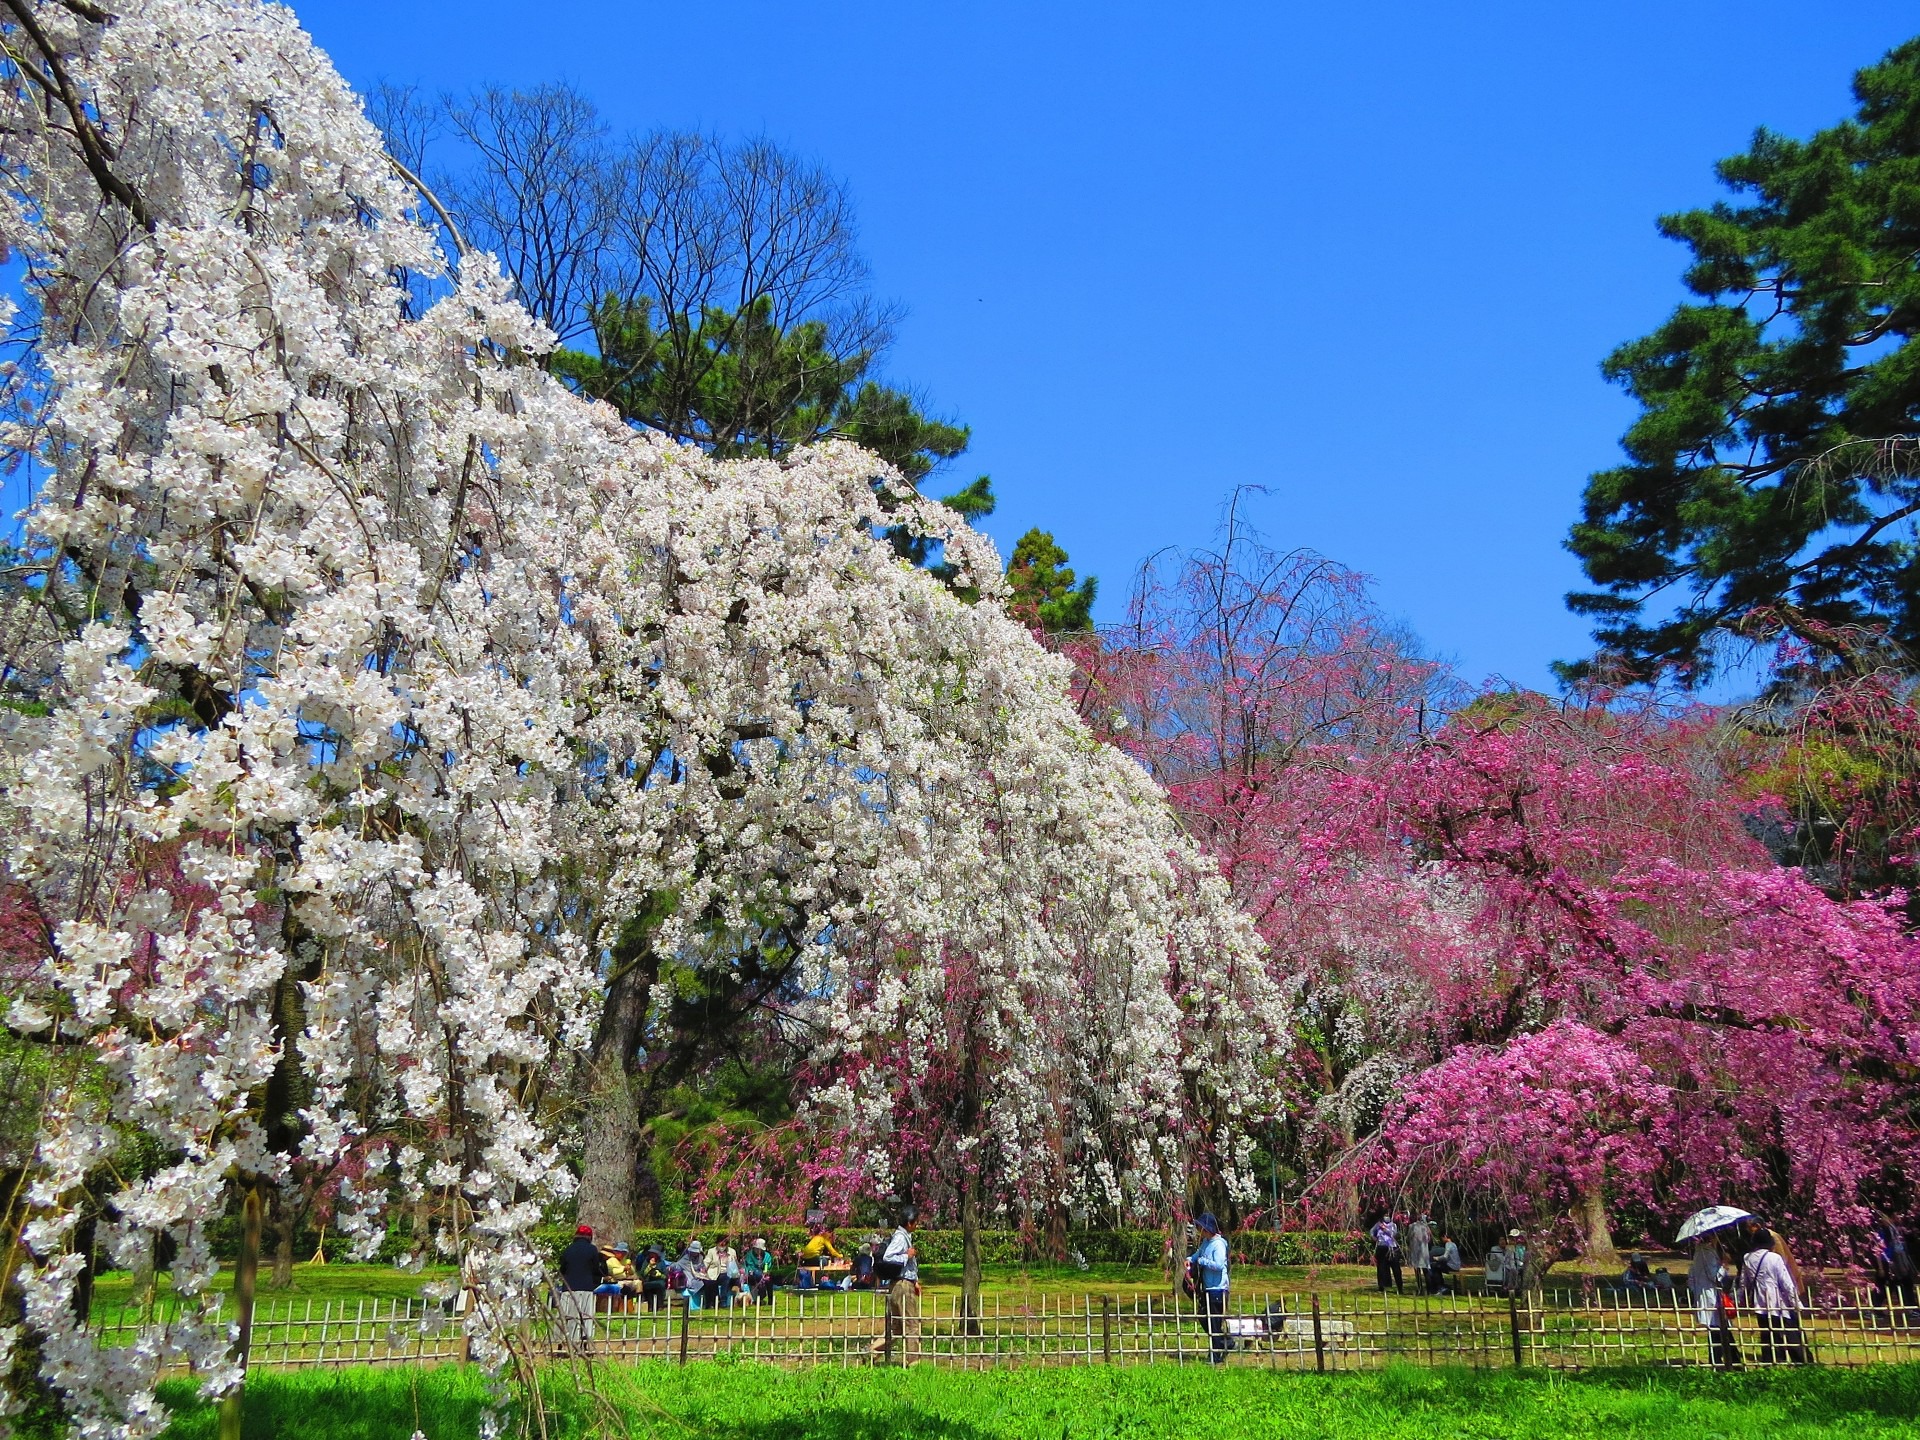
[(692, 1270), (756, 1271)]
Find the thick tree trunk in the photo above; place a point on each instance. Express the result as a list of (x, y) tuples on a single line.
[(1597, 1229), (609, 1196)]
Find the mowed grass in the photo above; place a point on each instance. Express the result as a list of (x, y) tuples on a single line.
[(756, 1402)]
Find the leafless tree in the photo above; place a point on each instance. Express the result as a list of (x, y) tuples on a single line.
[(706, 229), (409, 120), (705, 222), (541, 195)]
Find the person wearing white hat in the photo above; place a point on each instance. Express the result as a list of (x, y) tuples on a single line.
[(1516, 1261), (756, 1271)]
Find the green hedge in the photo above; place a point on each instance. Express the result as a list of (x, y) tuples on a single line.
[(1009, 1247), (937, 1247)]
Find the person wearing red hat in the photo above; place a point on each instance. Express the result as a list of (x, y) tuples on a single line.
[(582, 1269), (582, 1266)]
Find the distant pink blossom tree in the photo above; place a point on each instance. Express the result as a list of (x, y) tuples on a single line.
[(1539, 961)]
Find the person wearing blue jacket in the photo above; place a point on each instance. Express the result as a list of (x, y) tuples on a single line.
[(1208, 1266)]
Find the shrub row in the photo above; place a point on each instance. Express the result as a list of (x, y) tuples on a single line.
[(937, 1247), (1010, 1247)]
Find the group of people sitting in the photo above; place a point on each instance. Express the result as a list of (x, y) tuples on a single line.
[(714, 1278), (618, 1280)]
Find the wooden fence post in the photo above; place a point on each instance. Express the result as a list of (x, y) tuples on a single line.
[(1106, 1327), (686, 1315), (1319, 1340), (1513, 1327)]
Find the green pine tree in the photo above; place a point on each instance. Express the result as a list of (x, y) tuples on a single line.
[(1772, 466)]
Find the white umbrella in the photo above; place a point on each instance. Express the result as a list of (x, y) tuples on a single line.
[(1711, 1218)]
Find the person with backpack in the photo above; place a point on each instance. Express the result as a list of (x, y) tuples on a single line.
[(1496, 1269), (1207, 1268), (1385, 1234)]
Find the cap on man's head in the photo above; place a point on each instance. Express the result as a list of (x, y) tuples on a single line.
[(1514, 1233), (759, 1244), (583, 1229), (620, 1247), (1207, 1222)]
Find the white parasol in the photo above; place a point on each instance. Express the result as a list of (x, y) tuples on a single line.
[(1711, 1218)]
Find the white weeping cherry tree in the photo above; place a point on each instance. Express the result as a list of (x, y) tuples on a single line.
[(379, 713)]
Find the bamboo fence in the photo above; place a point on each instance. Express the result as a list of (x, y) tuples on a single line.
[(1268, 1329)]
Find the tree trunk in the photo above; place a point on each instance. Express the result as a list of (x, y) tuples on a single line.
[(970, 1249), (609, 1198), (609, 1190), (283, 1222), (1597, 1229), (244, 1273), (83, 1238)]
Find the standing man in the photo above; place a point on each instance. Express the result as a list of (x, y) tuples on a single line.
[(1516, 1261), (1420, 1248), (583, 1269), (899, 1266), (1208, 1266)]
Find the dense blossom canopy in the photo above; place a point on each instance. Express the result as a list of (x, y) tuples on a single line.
[(361, 656)]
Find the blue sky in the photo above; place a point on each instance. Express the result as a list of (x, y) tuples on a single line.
[(1366, 255)]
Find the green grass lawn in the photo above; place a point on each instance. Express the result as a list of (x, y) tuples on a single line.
[(758, 1403)]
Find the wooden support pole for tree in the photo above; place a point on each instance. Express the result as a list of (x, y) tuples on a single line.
[(1106, 1327), (1513, 1327), (1319, 1340), (244, 1274), (686, 1319)]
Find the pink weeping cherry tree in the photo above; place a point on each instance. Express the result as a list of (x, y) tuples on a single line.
[(1540, 964)]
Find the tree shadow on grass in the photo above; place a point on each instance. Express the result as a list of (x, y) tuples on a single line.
[(338, 1405), (1813, 1393), (900, 1422)]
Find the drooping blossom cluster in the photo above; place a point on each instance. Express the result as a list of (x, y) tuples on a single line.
[(414, 677)]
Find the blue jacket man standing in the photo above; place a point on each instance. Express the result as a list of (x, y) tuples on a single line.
[(1208, 1266)]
